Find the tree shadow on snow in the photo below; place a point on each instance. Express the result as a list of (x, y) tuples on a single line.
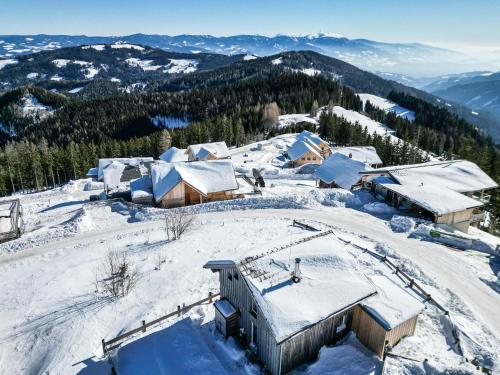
[(63, 204)]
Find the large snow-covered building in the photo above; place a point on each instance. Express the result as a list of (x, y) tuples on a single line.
[(208, 151), (286, 305), (309, 148), (103, 163), (181, 184), (446, 192), (365, 154), (119, 173)]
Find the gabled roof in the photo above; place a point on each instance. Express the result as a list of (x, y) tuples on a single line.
[(365, 154), (127, 161), (92, 172), (342, 170), (300, 148), (392, 305), (314, 138), (434, 198), (141, 188), (330, 284), (458, 175), (202, 150), (204, 176), (174, 155)]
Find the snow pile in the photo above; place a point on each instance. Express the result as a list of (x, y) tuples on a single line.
[(178, 66), (379, 208), (93, 185), (348, 357), (402, 224), (387, 106)]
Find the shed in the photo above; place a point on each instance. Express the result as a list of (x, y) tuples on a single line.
[(103, 163), (226, 318), (208, 151), (304, 152), (339, 170), (180, 184), (388, 316)]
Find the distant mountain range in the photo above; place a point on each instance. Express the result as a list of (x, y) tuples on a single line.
[(403, 58)]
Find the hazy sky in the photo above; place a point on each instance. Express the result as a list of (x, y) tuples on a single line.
[(455, 23)]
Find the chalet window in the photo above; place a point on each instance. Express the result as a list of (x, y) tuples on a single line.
[(303, 158), (308, 158), (238, 312), (341, 324), (314, 157), (230, 276), (253, 309), (236, 276)]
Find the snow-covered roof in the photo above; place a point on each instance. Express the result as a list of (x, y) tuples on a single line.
[(365, 154), (202, 150), (300, 148), (173, 155), (141, 188), (314, 138), (341, 169), (458, 175), (225, 307), (204, 176), (128, 161), (112, 174), (92, 172), (219, 264), (434, 198), (392, 305), (329, 285)]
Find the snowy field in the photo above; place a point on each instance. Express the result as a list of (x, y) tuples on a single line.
[(53, 320), (387, 106)]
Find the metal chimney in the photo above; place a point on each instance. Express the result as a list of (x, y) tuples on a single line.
[(296, 276)]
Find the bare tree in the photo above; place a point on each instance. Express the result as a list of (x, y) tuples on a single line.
[(160, 259), (116, 277), (177, 222), (270, 116)]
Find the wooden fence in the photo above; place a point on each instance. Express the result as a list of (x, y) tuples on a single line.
[(118, 340)]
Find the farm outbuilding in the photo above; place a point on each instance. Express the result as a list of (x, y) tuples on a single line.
[(118, 174), (183, 184), (290, 304), (103, 163), (365, 154), (446, 192)]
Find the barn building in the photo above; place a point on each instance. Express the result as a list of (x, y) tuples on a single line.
[(446, 192), (207, 151), (119, 174), (103, 163), (182, 184), (285, 306)]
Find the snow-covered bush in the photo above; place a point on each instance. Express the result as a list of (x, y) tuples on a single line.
[(402, 224)]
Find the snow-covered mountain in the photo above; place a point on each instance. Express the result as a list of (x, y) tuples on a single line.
[(404, 58)]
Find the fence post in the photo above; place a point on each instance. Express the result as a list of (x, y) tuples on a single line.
[(210, 297), (178, 310), (103, 347), (143, 326)]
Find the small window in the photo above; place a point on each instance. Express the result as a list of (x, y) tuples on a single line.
[(236, 276), (308, 158), (238, 312), (314, 157), (230, 276), (253, 309), (303, 158)]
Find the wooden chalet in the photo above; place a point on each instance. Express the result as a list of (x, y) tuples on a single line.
[(182, 184), (285, 310), (446, 192), (207, 151), (309, 148)]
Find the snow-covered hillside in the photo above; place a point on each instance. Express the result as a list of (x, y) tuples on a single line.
[(53, 320), (387, 106)]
